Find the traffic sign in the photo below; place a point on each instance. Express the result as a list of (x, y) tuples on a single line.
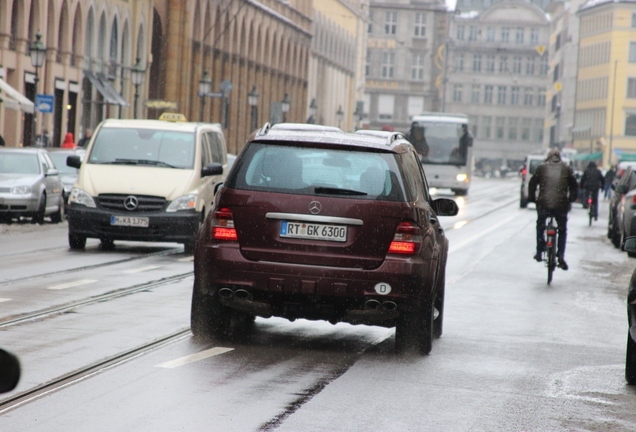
[(44, 103), (540, 49)]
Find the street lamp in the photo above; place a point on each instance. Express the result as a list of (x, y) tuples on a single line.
[(340, 116), (313, 108), (138, 74), (205, 86), (38, 55), (252, 100), (285, 104)]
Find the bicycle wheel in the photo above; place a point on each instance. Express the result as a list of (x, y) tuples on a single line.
[(551, 263)]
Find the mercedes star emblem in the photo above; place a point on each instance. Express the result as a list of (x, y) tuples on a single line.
[(131, 202), (315, 207)]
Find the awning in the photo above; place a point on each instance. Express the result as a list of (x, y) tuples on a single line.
[(587, 156), (25, 104), (105, 88), (627, 157), (9, 103)]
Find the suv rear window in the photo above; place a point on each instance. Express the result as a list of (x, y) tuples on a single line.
[(319, 171)]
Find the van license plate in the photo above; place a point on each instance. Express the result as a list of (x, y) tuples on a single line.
[(129, 221), (313, 231)]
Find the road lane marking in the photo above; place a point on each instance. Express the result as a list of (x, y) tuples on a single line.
[(142, 269), (194, 357), (4, 300), (186, 259), (458, 225), (73, 284), (476, 237)]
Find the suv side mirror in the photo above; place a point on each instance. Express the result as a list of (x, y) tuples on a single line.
[(212, 169), (9, 371), (621, 189), (445, 207), (630, 244), (74, 161)]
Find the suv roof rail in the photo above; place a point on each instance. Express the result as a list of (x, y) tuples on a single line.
[(394, 137), (263, 131)]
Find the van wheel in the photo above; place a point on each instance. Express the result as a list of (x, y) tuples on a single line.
[(76, 241)]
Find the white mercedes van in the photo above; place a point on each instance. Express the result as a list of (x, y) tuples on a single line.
[(146, 180)]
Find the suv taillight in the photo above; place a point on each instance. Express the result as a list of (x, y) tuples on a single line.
[(407, 239), (222, 225)]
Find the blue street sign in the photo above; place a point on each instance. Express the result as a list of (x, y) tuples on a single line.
[(44, 103)]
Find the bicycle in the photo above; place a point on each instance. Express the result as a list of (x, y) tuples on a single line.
[(550, 247), (591, 205)]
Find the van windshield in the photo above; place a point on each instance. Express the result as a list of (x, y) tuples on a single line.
[(139, 146)]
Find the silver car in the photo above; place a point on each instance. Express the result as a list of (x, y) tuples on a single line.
[(68, 174), (30, 185)]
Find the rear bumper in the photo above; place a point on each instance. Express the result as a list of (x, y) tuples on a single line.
[(313, 292), (163, 227)]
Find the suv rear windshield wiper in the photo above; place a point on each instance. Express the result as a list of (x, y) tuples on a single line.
[(337, 191), (140, 162)]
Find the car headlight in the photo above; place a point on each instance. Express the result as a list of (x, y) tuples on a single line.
[(185, 202), (21, 190), (78, 196), (462, 177)]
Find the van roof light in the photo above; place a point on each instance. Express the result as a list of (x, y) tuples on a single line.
[(172, 117)]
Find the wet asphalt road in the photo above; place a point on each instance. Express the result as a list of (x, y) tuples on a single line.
[(516, 354)]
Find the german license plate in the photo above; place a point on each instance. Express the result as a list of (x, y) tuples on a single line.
[(313, 231), (132, 221)]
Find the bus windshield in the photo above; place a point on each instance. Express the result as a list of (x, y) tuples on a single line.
[(442, 143)]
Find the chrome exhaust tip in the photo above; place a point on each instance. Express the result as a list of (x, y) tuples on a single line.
[(372, 304), (389, 306), (242, 294), (226, 293)]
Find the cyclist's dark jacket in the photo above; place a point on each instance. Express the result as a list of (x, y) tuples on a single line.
[(557, 185), (592, 179)]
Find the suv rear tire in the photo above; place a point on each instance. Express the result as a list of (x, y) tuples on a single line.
[(414, 331), (630, 361), (208, 317)]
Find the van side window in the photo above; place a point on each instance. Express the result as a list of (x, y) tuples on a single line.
[(206, 154), (215, 147)]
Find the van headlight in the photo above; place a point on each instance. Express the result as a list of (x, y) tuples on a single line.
[(21, 190), (185, 202), (462, 177), (78, 196)]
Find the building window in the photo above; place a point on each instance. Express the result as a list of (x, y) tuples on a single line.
[(632, 52), (633, 20), (526, 124), (485, 127), (415, 105), (490, 63), (514, 95), (459, 62), (503, 64), (388, 62), (367, 64), (555, 73), (505, 34), (538, 130), (541, 98), (417, 68), (545, 67), (499, 127), (472, 33), (516, 65), (370, 26), (488, 91), (555, 103), (519, 35), (474, 94), (457, 92), (385, 107), (630, 124), (528, 96), (474, 122), (631, 87), (419, 30), (557, 43), (390, 22), (530, 66), (501, 95), (477, 63), (490, 34), (512, 128), (460, 32), (534, 35)]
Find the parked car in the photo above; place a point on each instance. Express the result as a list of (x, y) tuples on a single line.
[(625, 218), (625, 182), (146, 180), (68, 174), (530, 165), (630, 358), (324, 225), (30, 185)]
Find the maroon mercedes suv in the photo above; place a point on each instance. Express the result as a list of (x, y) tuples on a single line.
[(324, 225)]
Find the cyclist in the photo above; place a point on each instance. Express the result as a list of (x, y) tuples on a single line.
[(558, 188), (592, 181)]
